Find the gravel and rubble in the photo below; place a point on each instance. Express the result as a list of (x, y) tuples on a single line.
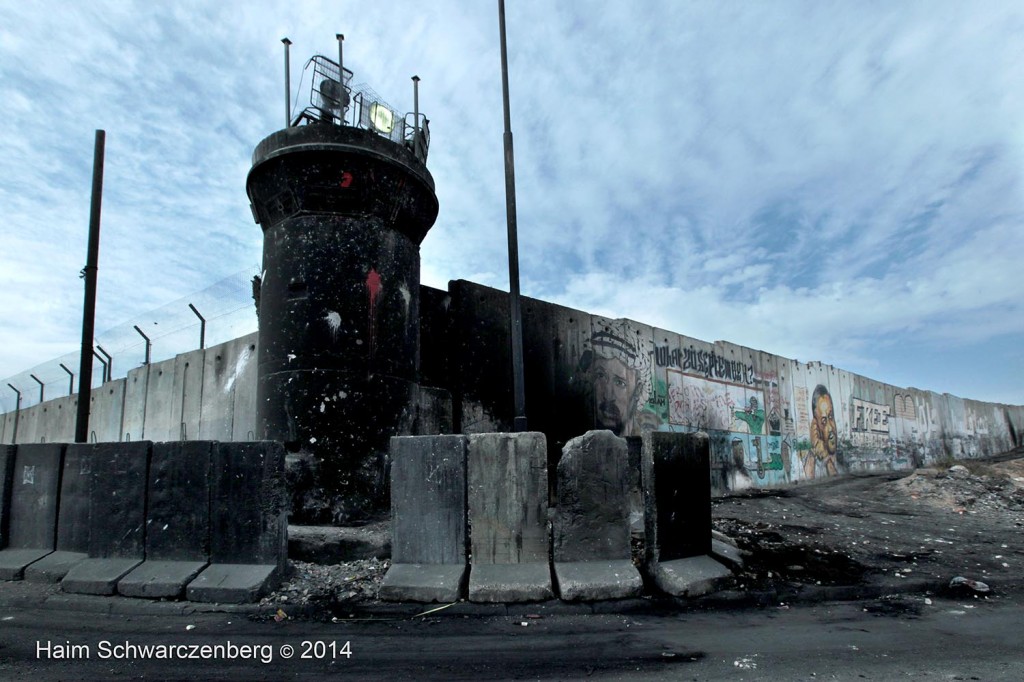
[(937, 523)]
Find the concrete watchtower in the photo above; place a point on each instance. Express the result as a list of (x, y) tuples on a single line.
[(344, 199)]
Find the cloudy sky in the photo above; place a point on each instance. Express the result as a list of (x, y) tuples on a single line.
[(833, 181)]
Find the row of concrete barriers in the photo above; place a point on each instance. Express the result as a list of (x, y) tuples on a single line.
[(199, 519), (477, 506)]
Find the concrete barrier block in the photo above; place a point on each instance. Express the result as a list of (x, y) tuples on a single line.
[(232, 583), (188, 395), (7, 455), (53, 567), (677, 495), (13, 562), (243, 425), (249, 513), (508, 498), (594, 580), (117, 501), (34, 496), (73, 521), (134, 415), (428, 499), (159, 579), (591, 521), (106, 412), (178, 508), (510, 583), (98, 576), (157, 424), (423, 582), (691, 577)]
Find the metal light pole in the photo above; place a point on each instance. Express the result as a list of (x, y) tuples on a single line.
[(90, 271), (515, 314)]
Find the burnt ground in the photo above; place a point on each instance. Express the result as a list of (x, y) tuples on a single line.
[(921, 527), (929, 524)]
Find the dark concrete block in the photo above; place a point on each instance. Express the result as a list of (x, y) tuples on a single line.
[(117, 505), (232, 583), (595, 580), (34, 496), (677, 495), (7, 456), (527, 581), (249, 508), (428, 499), (75, 493), (691, 577), (53, 567), (160, 579), (178, 514), (13, 561), (423, 582), (592, 518), (98, 576), (508, 498)]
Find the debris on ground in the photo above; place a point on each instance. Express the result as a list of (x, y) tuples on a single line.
[(326, 584)]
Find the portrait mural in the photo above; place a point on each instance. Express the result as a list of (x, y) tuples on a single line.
[(617, 363), (824, 435)]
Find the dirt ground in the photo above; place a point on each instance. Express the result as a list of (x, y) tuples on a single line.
[(933, 523), (936, 523)]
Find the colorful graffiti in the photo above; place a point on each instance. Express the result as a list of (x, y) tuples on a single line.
[(715, 405), (824, 442)]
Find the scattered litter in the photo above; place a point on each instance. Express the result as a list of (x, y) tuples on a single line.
[(746, 663), (190, 627), (975, 585), (280, 615), (927, 601)]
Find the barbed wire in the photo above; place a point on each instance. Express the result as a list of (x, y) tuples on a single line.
[(227, 306)]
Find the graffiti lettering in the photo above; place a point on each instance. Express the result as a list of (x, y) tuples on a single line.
[(710, 364), (870, 417)]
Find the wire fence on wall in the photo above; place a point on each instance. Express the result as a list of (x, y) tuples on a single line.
[(227, 310)]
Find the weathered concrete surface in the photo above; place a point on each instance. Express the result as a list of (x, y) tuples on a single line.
[(106, 412), (117, 501), (249, 524), (232, 583), (56, 422), (73, 520), (178, 507), (53, 567), (188, 395), (510, 582), (160, 396), (34, 496), (727, 554), (97, 576), (7, 457), (332, 544), (243, 422), (428, 512), (591, 520), (596, 579), (423, 582), (508, 517), (677, 495), (225, 365), (135, 395), (14, 561), (508, 498), (159, 579), (428, 499), (691, 577)]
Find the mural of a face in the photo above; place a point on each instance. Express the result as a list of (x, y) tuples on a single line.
[(824, 434), (618, 366)]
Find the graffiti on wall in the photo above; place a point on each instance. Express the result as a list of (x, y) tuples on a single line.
[(820, 459), (616, 361), (869, 424), (704, 404), (904, 408), (774, 411)]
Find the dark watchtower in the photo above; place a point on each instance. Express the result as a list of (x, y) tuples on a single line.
[(344, 199)]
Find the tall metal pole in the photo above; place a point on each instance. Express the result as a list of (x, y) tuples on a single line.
[(71, 380), (341, 77), (287, 87), (89, 310), (42, 388), (202, 326), (515, 315), (17, 414)]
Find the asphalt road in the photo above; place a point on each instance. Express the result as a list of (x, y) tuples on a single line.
[(886, 639)]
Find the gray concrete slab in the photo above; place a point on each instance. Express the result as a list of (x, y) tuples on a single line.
[(160, 579), (133, 417), (156, 424), (677, 495), (97, 576), (727, 554), (117, 500), (13, 561), (591, 520), (34, 494), (54, 566), (243, 425), (508, 498), (73, 521), (106, 411), (232, 583), (178, 502), (522, 582), (428, 499), (7, 456), (188, 395), (423, 582), (691, 577), (595, 580)]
